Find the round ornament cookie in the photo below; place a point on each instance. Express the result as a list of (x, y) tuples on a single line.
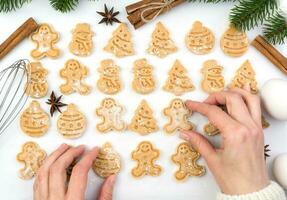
[(108, 161), (234, 43), (34, 121), (71, 123), (200, 40)]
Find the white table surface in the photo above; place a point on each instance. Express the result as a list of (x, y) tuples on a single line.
[(179, 22)]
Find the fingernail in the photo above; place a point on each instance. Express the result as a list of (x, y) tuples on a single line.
[(183, 135), (63, 145)]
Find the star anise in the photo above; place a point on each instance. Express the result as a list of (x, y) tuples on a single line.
[(55, 103), (266, 150), (109, 16)]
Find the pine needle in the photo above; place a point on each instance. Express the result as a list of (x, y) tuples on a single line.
[(251, 13), (64, 5), (212, 1), (275, 29), (12, 5)]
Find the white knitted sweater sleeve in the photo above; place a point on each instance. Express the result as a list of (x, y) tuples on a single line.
[(272, 192)]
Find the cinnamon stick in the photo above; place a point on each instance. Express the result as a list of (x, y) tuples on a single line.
[(135, 12), (17, 36), (270, 53)]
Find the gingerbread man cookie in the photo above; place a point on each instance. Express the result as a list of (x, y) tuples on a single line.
[(34, 121), (32, 156), (212, 81), (234, 43), (161, 44), (143, 121), (200, 40), (108, 161), (109, 81), (74, 74), (177, 114), (143, 81), (82, 40), (145, 155), (178, 81), (186, 157), (45, 38), (71, 123), (111, 114), (38, 84), (245, 75), (120, 44)]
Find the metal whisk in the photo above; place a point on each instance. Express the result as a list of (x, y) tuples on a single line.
[(13, 84)]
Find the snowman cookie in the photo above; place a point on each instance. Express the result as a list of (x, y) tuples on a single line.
[(74, 74), (34, 121), (143, 81), (111, 114), (45, 38), (71, 123), (213, 81), (38, 84), (177, 114), (186, 157), (109, 81), (145, 156), (32, 156)]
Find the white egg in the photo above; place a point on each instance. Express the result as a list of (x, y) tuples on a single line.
[(280, 169), (274, 98)]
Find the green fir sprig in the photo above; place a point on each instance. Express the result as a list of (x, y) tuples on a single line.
[(64, 5), (11, 5)]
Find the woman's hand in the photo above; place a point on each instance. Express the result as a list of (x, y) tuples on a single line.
[(51, 179), (238, 165)]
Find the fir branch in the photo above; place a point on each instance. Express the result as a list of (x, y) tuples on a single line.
[(275, 29), (251, 13), (10, 5), (212, 1), (64, 5)]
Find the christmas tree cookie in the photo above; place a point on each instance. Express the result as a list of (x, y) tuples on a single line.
[(143, 81), (245, 75), (143, 121), (161, 44), (212, 81), (120, 44), (178, 81)]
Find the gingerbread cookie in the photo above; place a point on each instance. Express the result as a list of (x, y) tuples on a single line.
[(34, 121), (178, 81), (213, 81), (186, 157), (38, 85), (161, 44), (71, 123), (143, 81), (111, 114), (45, 38), (143, 121), (200, 40), (108, 161), (120, 44), (245, 75), (145, 156), (177, 114), (109, 81), (74, 74), (82, 40), (32, 156), (233, 42)]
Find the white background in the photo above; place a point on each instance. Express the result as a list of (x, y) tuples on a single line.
[(179, 22)]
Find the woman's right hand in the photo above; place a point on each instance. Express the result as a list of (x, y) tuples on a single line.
[(239, 164)]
